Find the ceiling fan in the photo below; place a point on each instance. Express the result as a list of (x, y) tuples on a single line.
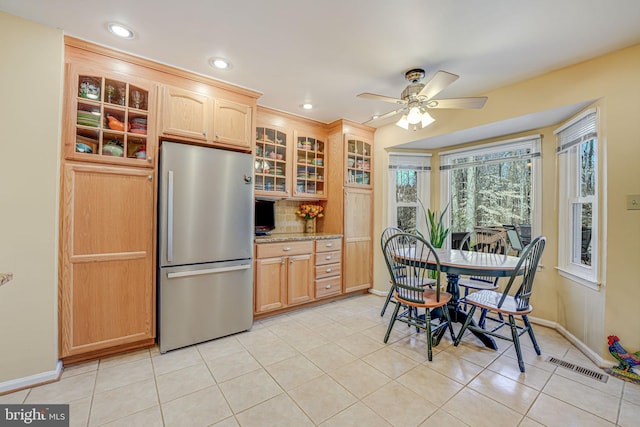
[(417, 98)]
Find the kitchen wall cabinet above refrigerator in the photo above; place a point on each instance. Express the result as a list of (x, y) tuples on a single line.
[(198, 117)]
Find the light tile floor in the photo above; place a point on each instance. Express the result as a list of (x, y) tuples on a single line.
[(327, 365)]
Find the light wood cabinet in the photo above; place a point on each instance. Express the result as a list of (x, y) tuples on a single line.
[(291, 157), (232, 123), (358, 247), (199, 117), (349, 209), (185, 113), (328, 277), (357, 161), (310, 165), (108, 117), (107, 256), (271, 166), (283, 275)]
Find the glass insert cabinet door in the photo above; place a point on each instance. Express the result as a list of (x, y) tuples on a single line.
[(110, 119), (270, 165), (310, 167), (358, 162)]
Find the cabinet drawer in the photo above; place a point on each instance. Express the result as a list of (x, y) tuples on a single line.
[(328, 287), (270, 250), (327, 257), (328, 245), (328, 270)]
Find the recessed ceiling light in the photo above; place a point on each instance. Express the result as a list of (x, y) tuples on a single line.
[(307, 106), (120, 30), (220, 63)]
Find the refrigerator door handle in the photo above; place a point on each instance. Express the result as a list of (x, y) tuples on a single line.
[(170, 218), (207, 271)]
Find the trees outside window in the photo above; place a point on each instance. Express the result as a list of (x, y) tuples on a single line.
[(492, 185), (408, 186), (578, 198)]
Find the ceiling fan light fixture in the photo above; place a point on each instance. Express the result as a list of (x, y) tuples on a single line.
[(414, 116), (426, 119), (403, 122)]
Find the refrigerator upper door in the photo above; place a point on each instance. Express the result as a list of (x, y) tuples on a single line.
[(205, 205)]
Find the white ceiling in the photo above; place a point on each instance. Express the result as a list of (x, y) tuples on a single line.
[(328, 51)]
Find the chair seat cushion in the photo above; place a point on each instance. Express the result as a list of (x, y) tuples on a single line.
[(490, 300), (429, 296), (479, 284)]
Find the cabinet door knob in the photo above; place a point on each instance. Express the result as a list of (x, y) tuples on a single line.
[(328, 270), (149, 159), (204, 133), (328, 257), (217, 135), (149, 177), (329, 245), (287, 249), (282, 263), (328, 287)]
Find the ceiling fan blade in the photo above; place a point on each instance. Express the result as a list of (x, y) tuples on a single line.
[(381, 98), (477, 102), (386, 115), (441, 80)]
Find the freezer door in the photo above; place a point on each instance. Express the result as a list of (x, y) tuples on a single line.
[(205, 207), (204, 302)]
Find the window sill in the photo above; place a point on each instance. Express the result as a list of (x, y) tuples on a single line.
[(587, 282)]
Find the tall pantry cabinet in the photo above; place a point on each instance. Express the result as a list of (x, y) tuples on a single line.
[(349, 209), (107, 239)]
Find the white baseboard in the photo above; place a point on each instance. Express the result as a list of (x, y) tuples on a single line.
[(378, 293), (595, 358), (31, 380)]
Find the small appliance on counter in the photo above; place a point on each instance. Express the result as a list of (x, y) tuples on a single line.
[(205, 244)]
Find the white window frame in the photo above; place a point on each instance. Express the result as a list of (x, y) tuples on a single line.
[(421, 163), (570, 136), (533, 142)]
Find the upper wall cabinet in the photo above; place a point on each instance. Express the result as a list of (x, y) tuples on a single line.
[(185, 113), (199, 117), (291, 156), (232, 123), (109, 117), (358, 162)]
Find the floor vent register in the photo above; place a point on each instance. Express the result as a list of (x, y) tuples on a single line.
[(579, 369)]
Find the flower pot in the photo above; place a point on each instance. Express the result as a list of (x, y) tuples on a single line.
[(310, 225)]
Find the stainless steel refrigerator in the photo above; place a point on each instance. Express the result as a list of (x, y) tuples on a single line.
[(205, 244)]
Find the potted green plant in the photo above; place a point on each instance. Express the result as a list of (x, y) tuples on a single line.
[(435, 226)]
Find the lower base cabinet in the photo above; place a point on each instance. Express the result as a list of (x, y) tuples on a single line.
[(296, 272), (284, 275), (107, 291)]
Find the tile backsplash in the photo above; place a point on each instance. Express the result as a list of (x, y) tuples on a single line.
[(286, 219)]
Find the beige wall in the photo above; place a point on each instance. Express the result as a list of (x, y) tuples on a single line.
[(611, 83), (30, 117)]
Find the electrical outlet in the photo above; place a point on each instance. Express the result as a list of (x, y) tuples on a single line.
[(633, 201)]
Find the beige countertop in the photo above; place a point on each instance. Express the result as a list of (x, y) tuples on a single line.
[(288, 237), (5, 278)]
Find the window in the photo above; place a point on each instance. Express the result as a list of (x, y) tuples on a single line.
[(493, 184), (408, 187), (577, 148)]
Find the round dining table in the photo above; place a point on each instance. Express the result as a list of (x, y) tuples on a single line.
[(456, 262)]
